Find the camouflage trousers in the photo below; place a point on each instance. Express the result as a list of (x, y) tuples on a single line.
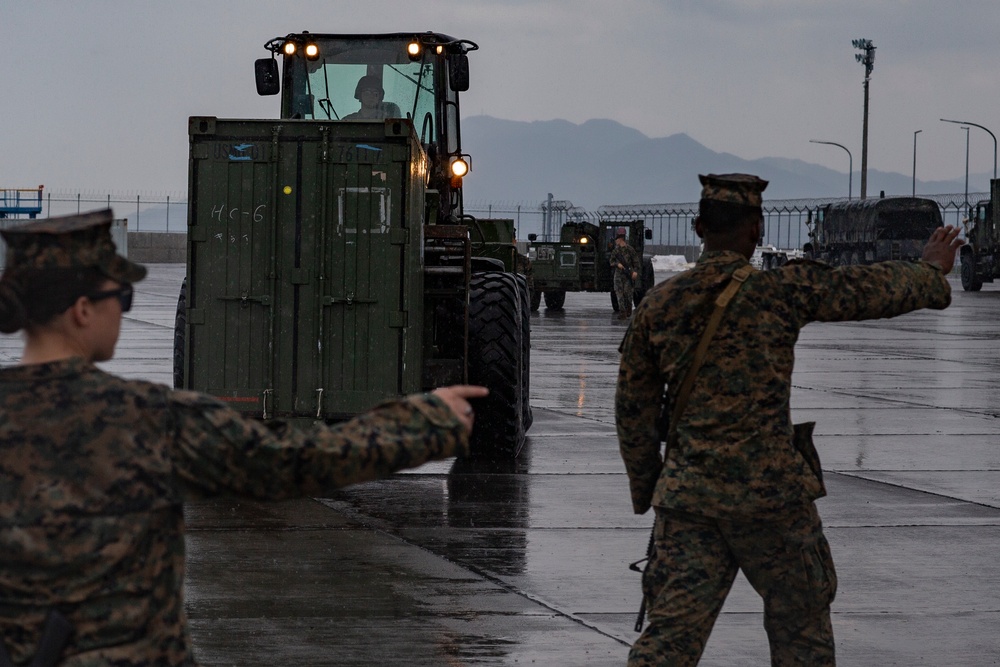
[(695, 562), (623, 292)]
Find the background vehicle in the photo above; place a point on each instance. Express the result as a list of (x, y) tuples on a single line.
[(767, 257), (872, 230), (330, 265), (980, 256), (579, 261)]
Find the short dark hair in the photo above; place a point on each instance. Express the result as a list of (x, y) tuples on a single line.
[(723, 218), (33, 297)]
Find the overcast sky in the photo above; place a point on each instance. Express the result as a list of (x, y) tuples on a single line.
[(96, 93)]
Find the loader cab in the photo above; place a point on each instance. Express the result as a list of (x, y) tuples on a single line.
[(420, 76)]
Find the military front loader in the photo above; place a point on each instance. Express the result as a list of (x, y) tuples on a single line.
[(580, 261), (330, 265)]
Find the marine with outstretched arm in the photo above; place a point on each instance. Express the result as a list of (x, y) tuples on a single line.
[(736, 487)]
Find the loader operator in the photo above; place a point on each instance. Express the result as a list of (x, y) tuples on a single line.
[(734, 490), (370, 93), (92, 465)]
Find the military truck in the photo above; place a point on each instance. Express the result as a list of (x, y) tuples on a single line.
[(872, 230), (330, 265), (980, 256), (580, 261)]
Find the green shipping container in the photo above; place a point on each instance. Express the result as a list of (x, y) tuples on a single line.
[(305, 280)]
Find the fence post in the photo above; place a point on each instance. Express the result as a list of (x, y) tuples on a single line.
[(168, 214)]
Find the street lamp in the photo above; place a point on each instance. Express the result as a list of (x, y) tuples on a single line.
[(966, 169), (850, 163), (915, 133), (868, 60), (965, 122)]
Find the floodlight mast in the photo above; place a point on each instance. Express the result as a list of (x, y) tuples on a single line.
[(868, 60)]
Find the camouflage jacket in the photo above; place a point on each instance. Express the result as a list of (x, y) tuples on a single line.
[(627, 257), (93, 470), (734, 455)]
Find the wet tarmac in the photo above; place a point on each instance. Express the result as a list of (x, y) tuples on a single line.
[(525, 562)]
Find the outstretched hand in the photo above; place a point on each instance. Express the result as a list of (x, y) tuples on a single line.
[(941, 247), (456, 397)]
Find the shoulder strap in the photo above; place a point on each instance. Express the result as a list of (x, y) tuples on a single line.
[(739, 278)]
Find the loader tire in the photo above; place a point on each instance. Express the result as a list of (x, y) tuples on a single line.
[(180, 330), (494, 361), (969, 281), (554, 300), (526, 416)]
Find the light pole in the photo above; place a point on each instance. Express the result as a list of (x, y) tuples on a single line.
[(915, 133), (966, 170), (965, 122), (850, 163), (868, 60)]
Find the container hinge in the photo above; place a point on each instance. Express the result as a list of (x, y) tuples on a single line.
[(266, 394)]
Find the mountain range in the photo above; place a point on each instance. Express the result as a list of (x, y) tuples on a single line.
[(602, 162)]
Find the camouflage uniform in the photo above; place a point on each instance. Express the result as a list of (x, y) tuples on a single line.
[(624, 285), (93, 473), (735, 492)]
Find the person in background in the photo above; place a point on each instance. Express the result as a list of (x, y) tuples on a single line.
[(625, 263), (93, 467), (736, 486)]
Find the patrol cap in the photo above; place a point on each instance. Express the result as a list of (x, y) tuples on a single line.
[(743, 189), (70, 242)]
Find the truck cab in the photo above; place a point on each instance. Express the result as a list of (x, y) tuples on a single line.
[(980, 256)]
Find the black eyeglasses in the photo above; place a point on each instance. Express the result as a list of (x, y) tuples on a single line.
[(123, 294)]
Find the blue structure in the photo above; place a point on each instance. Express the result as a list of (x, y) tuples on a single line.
[(21, 201)]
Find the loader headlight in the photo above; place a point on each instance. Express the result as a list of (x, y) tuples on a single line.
[(289, 48), (414, 49), (459, 167), (584, 240), (312, 51)]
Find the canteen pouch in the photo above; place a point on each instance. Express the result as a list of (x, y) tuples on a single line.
[(803, 441)]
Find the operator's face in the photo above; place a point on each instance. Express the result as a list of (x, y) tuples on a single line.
[(370, 97)]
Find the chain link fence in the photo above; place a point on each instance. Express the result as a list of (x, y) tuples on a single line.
[(672, 224), (785, 219)]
